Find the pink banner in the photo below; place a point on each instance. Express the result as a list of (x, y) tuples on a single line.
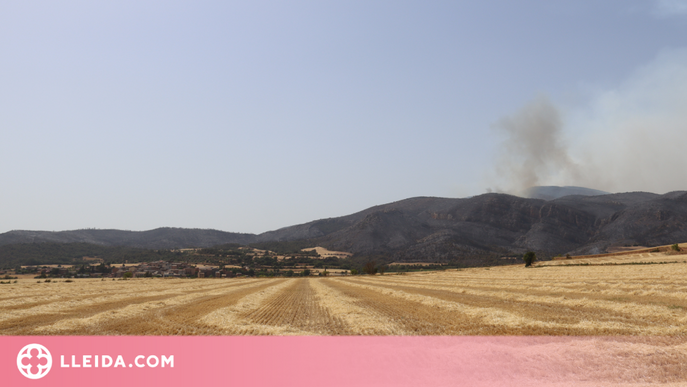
[(338, 361)]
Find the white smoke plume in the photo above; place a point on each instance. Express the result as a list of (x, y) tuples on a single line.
[(533, 150), (630, 138), (664, 8)]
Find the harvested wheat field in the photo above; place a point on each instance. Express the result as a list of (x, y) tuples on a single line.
[(635, 300), (636, 315)]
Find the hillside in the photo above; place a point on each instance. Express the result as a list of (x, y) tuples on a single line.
[(473, 230), (46, 253), (499, 225), (555, 192), (160, 238)]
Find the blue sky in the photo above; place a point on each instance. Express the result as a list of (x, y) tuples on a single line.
[(251, 116)]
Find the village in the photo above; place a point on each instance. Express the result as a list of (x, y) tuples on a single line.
[(216, 263), (163, 269)]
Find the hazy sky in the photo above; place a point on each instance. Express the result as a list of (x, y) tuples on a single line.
[(251, 116)]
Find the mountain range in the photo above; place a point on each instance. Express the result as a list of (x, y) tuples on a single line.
[(443, 229)]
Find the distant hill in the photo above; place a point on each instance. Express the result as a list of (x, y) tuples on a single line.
[(159, 238), (473, 230), (12, 255), (555, 192)]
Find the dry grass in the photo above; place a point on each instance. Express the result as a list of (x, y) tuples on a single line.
[(553, 299), (635, 315), (324, 253)]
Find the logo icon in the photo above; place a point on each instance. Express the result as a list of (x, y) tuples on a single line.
[(34, 361)]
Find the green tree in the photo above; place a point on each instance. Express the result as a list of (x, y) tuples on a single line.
[(529, 258)]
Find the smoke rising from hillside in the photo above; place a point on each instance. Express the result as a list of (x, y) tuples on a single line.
[(533, 149), (630, 138)]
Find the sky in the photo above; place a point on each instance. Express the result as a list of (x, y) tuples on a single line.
[(252, 116)]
